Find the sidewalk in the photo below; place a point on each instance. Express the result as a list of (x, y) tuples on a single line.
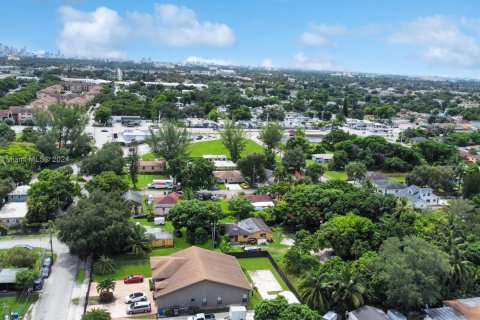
[(79, 292)]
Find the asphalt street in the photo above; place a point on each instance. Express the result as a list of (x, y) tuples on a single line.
[(56, 296)]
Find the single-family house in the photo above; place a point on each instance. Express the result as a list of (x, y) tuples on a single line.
[(8, 277), (230, 176), (260, 202), (13, 213), (151, 166), (198, 278), (388, 186), (224, 165), (322, 157), (159, 238), (20, 194), (247, 230), (215, 157), (420, 198), (367, 313), (163, 204), (459, 309)]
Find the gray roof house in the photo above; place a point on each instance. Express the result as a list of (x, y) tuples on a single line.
[(420, 198), (459, 309), (367, 313), (8, 276), (20, 194), (133, 196), (247, 229), (388, 186)]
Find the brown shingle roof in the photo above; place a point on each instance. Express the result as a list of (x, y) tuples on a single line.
[(171, 198), (193, 265), (237, 174)]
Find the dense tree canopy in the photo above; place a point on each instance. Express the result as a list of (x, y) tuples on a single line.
[(108, 158)]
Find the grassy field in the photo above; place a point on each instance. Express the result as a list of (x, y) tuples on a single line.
[(336, 175), (199, 149), (398, 177), (144, 179), (10, 304)]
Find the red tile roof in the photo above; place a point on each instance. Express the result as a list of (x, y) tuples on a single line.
[(171, 198)]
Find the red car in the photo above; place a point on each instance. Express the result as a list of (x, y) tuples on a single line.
[(133, 278)]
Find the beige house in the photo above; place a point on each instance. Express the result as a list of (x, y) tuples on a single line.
[(163, 204), (198, 278), (151, 166), (13, 213), (233, 176), (247, 230)]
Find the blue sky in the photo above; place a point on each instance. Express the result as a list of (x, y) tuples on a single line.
[(427, 37)]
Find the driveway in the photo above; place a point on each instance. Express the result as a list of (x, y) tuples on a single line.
[(118, 307), (56, 295)]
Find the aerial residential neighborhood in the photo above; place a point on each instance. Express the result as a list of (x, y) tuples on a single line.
[(240, 160)]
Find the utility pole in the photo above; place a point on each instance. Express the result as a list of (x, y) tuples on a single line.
[(213, 234)]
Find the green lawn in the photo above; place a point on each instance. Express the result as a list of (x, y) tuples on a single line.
[(144, 179), (148, 156), (398, 177), (199, 149), (10, 304), (336, 175), (80, 276)]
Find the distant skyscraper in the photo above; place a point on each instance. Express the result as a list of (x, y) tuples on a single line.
[(119, 74)]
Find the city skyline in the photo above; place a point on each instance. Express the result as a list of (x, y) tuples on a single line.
[(431, 38)]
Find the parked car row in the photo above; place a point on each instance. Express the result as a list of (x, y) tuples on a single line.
[(45, 273)]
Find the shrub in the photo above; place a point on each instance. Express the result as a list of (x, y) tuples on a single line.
[(19, 257), (104, 266)]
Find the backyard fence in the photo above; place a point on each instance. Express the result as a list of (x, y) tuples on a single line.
[(266, 254)]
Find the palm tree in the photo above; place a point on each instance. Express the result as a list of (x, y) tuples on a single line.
[(104, 265), (279, 173), (460, 269), (138, 242), (105, 289), (401, 207), (316, 291), (97, 314), (347, 291)]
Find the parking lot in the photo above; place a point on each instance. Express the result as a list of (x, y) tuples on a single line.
[(118, 307)]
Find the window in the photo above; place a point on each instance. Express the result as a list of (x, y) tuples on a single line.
[(192, 300), (204, 302), (143, 168), (244, 298), (263, 235), (153, 168), (245, 237), (219, 300)]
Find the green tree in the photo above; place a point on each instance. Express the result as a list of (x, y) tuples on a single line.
[(133, 161), (253, 168), (198, 174), (241, 207), (293, 159), (471, 184), (193, 214), (108, 182), (138, 243), (270, 309), (339, 161), (108, 158), (316, 289), (412, 271), (234, 139), (436, 152), (436, 177), (29, 134), (24, 279), (271, 135), (347, 293), (97, 314), (356, 170), (213, 115), (53, 192), (102, 114), (7, 135), (105, 288), (19, 257), (314, 172), (96, 225), (170, 142), (104, 265)]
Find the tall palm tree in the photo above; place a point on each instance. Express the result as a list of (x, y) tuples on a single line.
[(316, 289), (460, 268), (401, 207), (347, 291), (138, 242)]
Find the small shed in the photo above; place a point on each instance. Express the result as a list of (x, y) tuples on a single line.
[(160, 238)]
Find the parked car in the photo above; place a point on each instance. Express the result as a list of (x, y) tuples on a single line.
[(202, 316), (47, 262), (104, 130), (139, 307), (45, 272), (135, 297), (140, 216), (215, 188), (133, 278), (38, 283), (251, 249), (245, 185)]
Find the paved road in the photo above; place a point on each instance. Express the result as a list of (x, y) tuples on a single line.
[(55, 299)]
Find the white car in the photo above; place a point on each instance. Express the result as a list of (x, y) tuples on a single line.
[(135, 297)]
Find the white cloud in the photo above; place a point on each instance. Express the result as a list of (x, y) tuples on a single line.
[(200, 60), (323, 62), (179, 26), (100, 33), (267, 64), (317, 34), (104, 33), (442, 40)]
